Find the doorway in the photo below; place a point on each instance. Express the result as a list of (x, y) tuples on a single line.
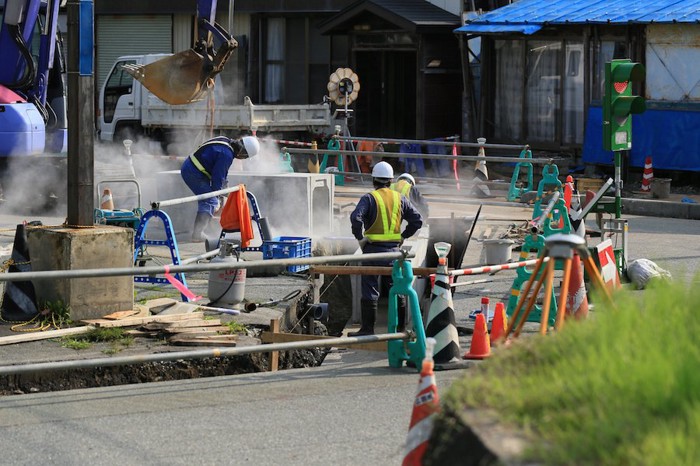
[(386, 106)]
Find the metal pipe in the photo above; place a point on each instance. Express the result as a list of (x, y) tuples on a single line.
[(154, 270), (182, 200), (200, 257), (468, 158), (428, 142), (198, 354), (545, 213)]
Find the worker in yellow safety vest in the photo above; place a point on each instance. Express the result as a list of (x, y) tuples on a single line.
[(406, 185), (376, 224), (206, 171)]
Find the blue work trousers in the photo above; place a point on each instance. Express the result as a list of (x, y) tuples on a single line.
[(199, 183), (371, 283)]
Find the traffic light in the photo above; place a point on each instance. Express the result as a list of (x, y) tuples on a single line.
[(619, 104)]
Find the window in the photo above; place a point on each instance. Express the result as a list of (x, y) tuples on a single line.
[(119, 83), (297, 61), (508, 98), (274, 61)]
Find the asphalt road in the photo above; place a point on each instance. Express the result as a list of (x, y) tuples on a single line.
[(353, 410)]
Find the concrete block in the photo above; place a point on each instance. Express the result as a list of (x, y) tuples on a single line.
[(101, 247)]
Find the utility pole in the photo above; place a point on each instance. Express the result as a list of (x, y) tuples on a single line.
[(81, 113)]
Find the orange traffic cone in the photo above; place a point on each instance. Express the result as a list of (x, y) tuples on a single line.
[(576, 299), (480, 347), (568, 191), (107, 203), (499, 325), (426, 406), (647, 176)]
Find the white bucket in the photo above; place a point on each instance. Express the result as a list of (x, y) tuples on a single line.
[(498, 251)]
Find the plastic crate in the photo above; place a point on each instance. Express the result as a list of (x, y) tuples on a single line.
[(288, 247)]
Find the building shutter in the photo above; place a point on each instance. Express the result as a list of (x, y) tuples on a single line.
[(130, 35)]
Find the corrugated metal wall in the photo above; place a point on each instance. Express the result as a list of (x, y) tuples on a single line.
[(130, 35), (672, 57)]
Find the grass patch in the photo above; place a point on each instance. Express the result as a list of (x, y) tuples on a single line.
[(236, 328), (115, 336), (621, 388)]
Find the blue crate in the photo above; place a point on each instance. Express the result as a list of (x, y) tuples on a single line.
[(288, 247)]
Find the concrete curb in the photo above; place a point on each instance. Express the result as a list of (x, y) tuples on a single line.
[(658, 208)]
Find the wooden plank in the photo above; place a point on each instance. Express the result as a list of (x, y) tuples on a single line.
[(36, 336), (270, 337), (120, 315), (133, 321), (185, 340), (220, 328), (182, 324), (366, 270), (157, 305), (274, 355)]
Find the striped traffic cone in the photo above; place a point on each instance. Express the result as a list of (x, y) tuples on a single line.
[(426, 406), (107, 201), (441, 323), (578, 226), (481, 173), (647, 176), (576, 299), (19, 300)]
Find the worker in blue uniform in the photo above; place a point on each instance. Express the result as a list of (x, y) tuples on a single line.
[(376, 224), (206, 171), (406, 185)]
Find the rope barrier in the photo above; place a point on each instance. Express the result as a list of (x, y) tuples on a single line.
[(494, 268)]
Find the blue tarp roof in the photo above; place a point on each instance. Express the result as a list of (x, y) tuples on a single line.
[(529, 16)]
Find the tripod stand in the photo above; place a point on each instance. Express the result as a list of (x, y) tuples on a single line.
[(557, 247)]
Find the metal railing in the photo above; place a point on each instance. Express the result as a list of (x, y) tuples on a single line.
[(154, 270)]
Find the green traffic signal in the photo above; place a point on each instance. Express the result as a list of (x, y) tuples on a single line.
[(619, 103)]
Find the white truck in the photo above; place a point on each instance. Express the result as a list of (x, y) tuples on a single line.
[(127, 110)]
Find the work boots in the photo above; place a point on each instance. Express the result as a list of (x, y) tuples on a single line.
[(369, 315), (200, 223)]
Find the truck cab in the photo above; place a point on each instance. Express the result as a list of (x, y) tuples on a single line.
[(119, 114)]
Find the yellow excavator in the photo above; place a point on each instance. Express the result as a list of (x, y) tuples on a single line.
[(185, 77)]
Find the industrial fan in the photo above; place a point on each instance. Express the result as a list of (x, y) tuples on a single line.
[(343, 86)]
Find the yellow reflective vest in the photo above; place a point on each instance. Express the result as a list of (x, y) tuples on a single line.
[(403, 187), (387, 225)]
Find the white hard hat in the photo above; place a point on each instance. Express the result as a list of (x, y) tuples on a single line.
[(383, 170), (251, 145), (408, 177)]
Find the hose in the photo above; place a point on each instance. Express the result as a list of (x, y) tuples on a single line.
[(250, 307), (30, 72)]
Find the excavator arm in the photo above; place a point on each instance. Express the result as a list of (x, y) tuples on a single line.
[(185, 76)]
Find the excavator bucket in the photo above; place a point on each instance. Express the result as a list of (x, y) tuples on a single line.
[(178, 79)]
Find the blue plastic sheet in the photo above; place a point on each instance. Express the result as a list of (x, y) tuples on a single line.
[(670, 137)]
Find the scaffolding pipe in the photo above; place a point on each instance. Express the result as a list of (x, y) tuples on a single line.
[(155, 270), (429, 142), (467, 158), (198, 354), (182, 200)]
